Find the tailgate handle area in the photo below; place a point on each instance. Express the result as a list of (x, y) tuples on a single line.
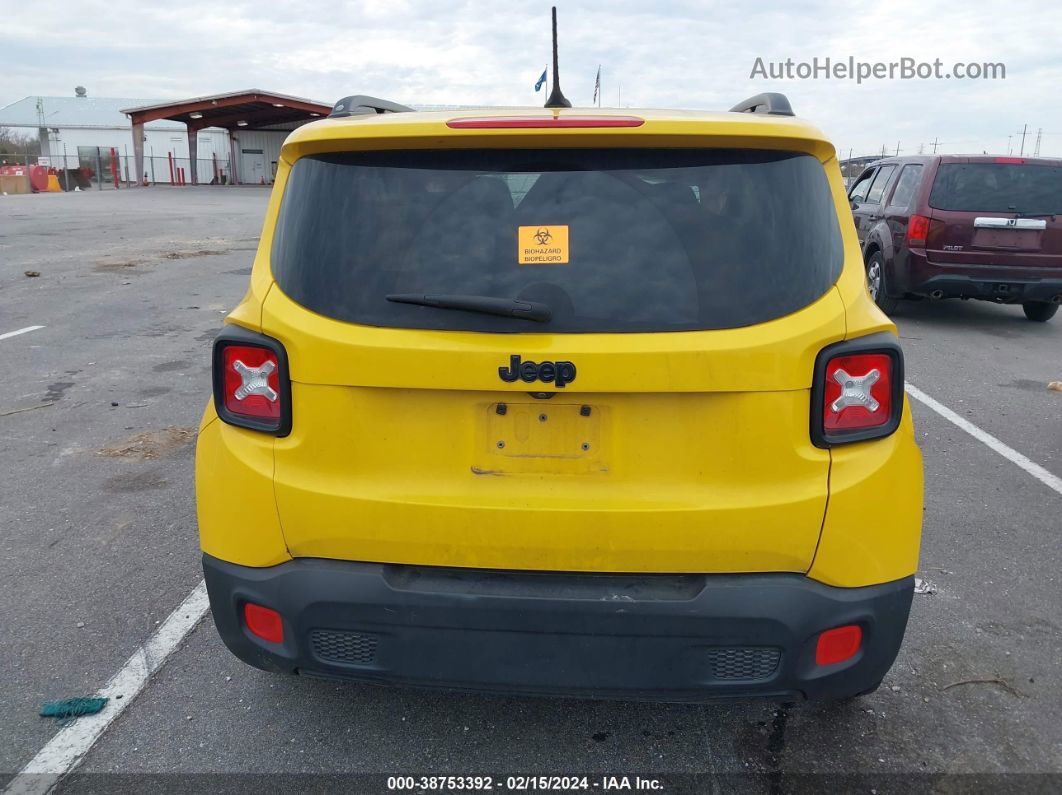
[(985, 222)]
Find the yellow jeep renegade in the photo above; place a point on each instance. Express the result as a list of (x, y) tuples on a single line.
[(562, 401)]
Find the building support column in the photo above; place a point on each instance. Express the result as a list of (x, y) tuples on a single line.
[(193, 154), (234, 174), (138, 152)]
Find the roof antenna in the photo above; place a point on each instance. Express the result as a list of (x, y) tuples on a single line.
[(556, 98)]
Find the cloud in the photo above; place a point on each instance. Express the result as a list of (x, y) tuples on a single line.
[(667, 54)]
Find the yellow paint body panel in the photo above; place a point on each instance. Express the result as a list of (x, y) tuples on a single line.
[(234, 494), (697, 458), (414, 476)]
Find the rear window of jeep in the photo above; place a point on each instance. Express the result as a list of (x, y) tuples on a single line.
[(613, 240)]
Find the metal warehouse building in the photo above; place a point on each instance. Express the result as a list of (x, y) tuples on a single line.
[(232, 137)]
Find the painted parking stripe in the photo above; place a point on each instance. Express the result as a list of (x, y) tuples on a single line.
[(19, 331), (1047, 478), (68, 747)]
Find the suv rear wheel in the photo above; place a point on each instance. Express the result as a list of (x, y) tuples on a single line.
[(876, 283), (1040, 311)]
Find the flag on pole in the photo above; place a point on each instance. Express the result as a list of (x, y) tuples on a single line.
[(597, 84), (541, 81)]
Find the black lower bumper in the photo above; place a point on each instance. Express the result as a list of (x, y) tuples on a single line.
[(658, 637), (1002, 289)]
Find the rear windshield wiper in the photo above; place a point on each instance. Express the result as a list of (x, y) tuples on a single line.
[(1037, 215), (506, 307)]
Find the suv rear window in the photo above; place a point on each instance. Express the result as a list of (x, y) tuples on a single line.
[(634, 240), (997, 188)]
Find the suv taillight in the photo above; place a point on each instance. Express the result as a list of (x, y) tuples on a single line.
[(251, 385), (917, 230), (857, 392)]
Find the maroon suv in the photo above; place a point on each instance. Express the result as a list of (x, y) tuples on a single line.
[(951, 226)]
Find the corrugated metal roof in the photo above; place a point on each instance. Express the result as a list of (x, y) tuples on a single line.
[(76, 112)]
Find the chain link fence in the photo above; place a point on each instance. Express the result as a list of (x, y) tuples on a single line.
[(100, 168)]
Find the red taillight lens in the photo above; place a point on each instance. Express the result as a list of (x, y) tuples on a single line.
[(1011, 160), (543, 122), (858, 392), (251, 381), (252, 388), (917, 229), (265, 622), (838, 645)]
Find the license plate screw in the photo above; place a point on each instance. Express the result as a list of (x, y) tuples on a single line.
[(585, 445), (501, 408), (501, 445), (584, 411)]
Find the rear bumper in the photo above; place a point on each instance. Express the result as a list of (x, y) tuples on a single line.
[(1007, 285), (658, 637)]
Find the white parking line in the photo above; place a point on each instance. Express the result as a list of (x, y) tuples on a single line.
[(1048, 479), (68, 747), (5, 335)]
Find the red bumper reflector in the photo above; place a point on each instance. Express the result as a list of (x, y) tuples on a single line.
[(543, 122), (265, 622), (838, 645)]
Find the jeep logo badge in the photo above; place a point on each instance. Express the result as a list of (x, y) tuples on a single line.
[(559, 373)]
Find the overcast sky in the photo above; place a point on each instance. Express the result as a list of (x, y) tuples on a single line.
[(669, 53)]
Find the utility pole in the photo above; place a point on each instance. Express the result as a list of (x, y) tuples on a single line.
[(936, 143), (1023, 131), (921, 148), (1009, 149), (1039, 134), (897, 148)]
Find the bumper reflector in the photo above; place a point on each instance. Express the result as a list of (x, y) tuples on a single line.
[(839, 644), (265, 622)]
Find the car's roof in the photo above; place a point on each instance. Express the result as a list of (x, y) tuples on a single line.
[(733, 128), (981, 158)]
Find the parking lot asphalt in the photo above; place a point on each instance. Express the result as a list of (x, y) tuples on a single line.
[(98, 411)]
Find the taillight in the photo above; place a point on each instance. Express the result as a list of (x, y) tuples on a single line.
[(1010, 160), (857, 392), (251, 386), (265, 622), (917, 230), (839, 644), (252, 383)]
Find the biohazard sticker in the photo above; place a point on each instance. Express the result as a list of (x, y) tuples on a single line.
[(542, 245)]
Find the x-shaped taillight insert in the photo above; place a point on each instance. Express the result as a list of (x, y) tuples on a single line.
[(255, 380), (855, 390)]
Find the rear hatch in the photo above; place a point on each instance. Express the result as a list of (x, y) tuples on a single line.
[(657, 421), (996, 212)]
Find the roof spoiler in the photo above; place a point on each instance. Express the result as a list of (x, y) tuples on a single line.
[(361, 105), (772, 104)]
